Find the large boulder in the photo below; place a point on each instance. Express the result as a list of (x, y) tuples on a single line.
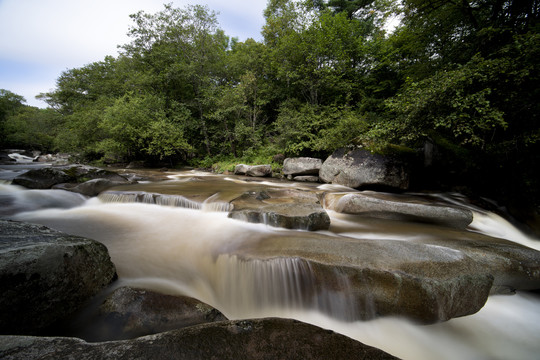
[(47, 177), (301, 166), (247, 339), (286, 208), (253, 170), (43, 178), (398, 207), (360, 168), (128, 313), (46, 276), (425, 278)]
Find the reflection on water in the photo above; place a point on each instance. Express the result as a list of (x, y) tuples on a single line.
[(185, 251)]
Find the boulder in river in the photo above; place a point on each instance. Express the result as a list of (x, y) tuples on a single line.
[(398, 207), (301, 166), (253, 170), (361, 168), (128, 313), (286, 208), (427, 279), (46, 276), (47, 177), (245, 339)]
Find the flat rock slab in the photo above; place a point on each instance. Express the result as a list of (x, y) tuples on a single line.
[(248, 339), (427, 280), (398, 207), (286, 208), (46, 275)]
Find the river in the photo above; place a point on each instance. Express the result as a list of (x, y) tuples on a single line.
[(190, 251)]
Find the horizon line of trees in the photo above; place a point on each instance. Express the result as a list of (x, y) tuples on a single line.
[(461, 74)]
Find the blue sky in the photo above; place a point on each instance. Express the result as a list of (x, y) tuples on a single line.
[(41, 38)]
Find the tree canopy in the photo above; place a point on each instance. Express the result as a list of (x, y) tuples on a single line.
[(462, 74)]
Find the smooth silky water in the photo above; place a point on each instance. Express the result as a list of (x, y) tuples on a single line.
[(191, 251)]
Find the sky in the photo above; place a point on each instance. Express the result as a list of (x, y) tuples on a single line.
[(39, 39)]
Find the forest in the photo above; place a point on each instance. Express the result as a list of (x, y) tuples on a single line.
[(462, 75)]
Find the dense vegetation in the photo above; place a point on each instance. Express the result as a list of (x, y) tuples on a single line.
[(460, 74)]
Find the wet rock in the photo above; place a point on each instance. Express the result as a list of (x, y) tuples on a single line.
[(246, 339), (129, 313), (241, 169), (89, 188), (43, 178), (306, 178), (253, 170), (259, 170), (360, 168), (47, 177), (286, 208), (46, 276), (301, 166), (426, 279), (398, 207)]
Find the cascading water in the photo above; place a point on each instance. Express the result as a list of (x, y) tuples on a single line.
[(187, 251)]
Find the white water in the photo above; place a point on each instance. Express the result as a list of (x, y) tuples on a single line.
[(184, 251)]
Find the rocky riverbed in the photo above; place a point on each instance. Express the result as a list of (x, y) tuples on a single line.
[(325, 255)]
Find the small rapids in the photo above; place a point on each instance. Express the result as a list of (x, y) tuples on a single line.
[(164, 242)]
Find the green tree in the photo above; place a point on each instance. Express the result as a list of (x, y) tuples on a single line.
[(138, 126)]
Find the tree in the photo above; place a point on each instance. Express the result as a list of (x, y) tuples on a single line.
[(10, 104), (138, 126), (181, 47)]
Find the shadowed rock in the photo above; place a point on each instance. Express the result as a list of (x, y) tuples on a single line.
[(253, 170), (46, 276), (247, 339), (128, 313), (47, 177)]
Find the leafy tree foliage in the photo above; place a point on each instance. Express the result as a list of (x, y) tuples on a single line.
[(463, 74)]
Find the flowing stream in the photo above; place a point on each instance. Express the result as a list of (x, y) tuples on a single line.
[(184, 243)]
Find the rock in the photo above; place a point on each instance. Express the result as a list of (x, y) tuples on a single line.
[(259, 170), (398, 207), (46, 276), (245, 339), (129, 313), (360, 168), (43, 178), (301, 166), (253, 170), (428, 279), (306, 178), (286, 208), (241, 169), (47, 177), (89, 188)]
